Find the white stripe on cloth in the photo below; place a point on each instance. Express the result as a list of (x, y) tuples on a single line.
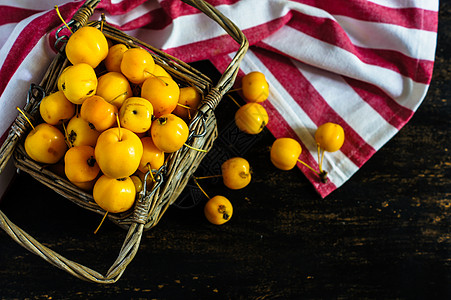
[(337, 60), (33, 4), (12, 37), (423, 4), (5, 31), (30, 71), (389, 37)]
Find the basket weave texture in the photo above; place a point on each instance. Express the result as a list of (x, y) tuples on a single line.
[(171, 179)]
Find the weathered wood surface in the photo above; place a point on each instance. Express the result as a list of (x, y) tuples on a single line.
[(385, 234)]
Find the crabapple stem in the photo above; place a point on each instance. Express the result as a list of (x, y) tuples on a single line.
[(120, 95), (320, 157), (29, 122), (150, 171), (119, 127), (66, 136), (233, 99), (184, 106), (207, 177), (235, 90), (305, 164), (188, 108), (157, 77), (197, 149), (201, 189), (59, 15), (323, 173), (101, 222)]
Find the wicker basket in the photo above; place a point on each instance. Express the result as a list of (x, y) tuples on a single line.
[(171, 179)]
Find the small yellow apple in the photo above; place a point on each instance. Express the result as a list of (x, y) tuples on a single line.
[(251, 118), (236, 173), (190, 98), (152, 157), (169, 133), (81, 133), (99, 113), (78, 82), (45, 144), (114, 195), (136, 114), (80, 164), (114, 88), (87, 45), (137, 64), (118, 152), (162, 92), (114, 57), (285, 153), (160, 71), (55, 108)]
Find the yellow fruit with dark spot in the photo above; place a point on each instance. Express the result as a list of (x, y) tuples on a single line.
[(78, 82)]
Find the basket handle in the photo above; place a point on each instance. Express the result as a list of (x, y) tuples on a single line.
[(134, 234), (127, 252), (227, 79), (82, 15)]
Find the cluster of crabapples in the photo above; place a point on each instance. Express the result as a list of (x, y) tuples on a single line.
[(285, 151), (252, 117), (114, 117)]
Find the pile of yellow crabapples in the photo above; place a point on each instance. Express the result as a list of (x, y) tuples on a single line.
[(107, 137), (251, 118)]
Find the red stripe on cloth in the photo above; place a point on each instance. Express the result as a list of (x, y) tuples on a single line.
[(329, 31), (279, 127), (395, 114), (418, 70), (225, 44), (312, 103), (28, 38), (204, 49), (367, 11), (9, 14)]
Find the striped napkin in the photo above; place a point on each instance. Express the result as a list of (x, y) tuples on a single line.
[(365, 65)]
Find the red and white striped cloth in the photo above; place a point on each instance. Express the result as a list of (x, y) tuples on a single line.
[(365, 65)]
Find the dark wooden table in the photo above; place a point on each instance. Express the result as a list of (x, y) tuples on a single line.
[(384, 234)]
